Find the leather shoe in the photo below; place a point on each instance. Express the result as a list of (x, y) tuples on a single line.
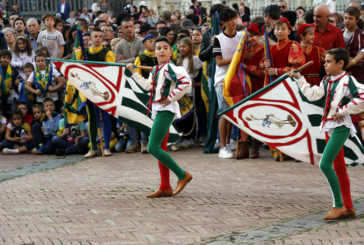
[(182, 183), (335, 213), (349, 213), (161, 193)]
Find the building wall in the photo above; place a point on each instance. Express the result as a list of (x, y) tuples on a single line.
[(255, 5)]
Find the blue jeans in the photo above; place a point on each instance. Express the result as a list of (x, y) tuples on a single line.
[(8, 144), (134, 135), (71, 148)]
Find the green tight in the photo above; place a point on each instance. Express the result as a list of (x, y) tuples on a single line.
[(159, 131), (332, 149)]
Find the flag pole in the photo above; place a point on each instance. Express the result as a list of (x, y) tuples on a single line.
[(100, 63), (281, 78)]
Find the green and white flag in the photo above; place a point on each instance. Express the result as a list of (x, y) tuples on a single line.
[(111, 87), (281, 116)]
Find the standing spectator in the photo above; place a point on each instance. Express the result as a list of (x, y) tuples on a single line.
[(10, 38), (33, 28), (96, 6), (12, 17), (64, 9), (244, 12), (224, 49), (126, 51), (300, 11), (71, 20), (15, 11), (282, 5), (23, 53), (19, 27), (152, 18), (86, 15), (331, 5), (108, 33), (194, 7), (51, 38), (131, 46), (327, 36), (271, 14), (166, 17), (354, 41)]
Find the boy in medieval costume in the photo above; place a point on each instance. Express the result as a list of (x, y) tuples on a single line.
[(344, 96), (167, 84)]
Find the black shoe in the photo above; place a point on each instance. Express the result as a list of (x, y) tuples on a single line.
[(60, 151)]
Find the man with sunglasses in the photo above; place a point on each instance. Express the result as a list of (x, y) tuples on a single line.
[(283, 5)]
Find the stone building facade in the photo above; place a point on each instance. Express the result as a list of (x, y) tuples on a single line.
[(255, 5)]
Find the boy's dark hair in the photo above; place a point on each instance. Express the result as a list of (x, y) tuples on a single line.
[(48, 16), (126, 19), (274, 11), (5, 52), (96, 30), (216, 7), (162, 39), (186, 32), (16, 112), (38, 106), (164, 30), (291, 16), (47, 100), (300, 7), (40, 54), (227, 14), (44, 50), (29, 65), (21, 19), (353, 11), (83, 22), (308, 17), (58, 20), (339, 54), (21, 103)]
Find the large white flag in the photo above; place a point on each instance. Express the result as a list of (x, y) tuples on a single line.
[(111, 87), (282, 117)]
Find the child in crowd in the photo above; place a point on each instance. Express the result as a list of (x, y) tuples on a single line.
[(70, 139), (337, 125), (9, 77), (3, 122), (146, 59), (45, 81), (36, 126), (23, 53), (24, 95), (197, 39), (167, 84), (223, 50), (18, 136), (27, 117), (286, 54), (312, 53), (49, 126), (193, 66), (51, 38)]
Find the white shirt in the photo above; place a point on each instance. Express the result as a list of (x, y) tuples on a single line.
[(62, 8)]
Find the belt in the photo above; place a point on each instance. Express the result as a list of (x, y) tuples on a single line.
[(311, 75)]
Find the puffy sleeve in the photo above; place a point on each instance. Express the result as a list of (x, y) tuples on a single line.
[(179, 75), (296, 58), (354, 91), (311, 93)]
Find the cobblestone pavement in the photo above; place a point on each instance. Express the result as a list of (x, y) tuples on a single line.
[(102, 201)]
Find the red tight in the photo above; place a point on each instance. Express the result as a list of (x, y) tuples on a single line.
[(342, 175), (164, 171)]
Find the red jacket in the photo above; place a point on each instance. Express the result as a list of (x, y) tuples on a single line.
[(355, 44)]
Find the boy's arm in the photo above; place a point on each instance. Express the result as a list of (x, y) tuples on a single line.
[(356, 104), (60, 83), (146, 84), (29, 87), (311, 93), (221, 62), (11, 139), (61, 51)]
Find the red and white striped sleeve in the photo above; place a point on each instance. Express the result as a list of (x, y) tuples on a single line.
[(356, 104), (179, 75)]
